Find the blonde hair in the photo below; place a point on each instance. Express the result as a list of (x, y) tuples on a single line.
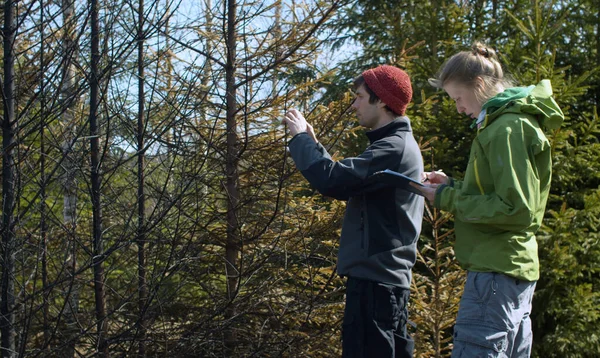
[(470, 67)]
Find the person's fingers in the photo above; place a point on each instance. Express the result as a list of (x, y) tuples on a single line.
[(292, 113), (434, 177), (293, 117), (297, 114)]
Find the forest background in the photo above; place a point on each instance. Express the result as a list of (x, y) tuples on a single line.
[(149, 206)]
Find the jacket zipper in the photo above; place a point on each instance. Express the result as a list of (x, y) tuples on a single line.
[(477, 177)]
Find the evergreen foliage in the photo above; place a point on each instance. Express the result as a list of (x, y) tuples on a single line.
[(534, 41)]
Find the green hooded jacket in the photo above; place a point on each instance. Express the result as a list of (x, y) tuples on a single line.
[(500, 204)]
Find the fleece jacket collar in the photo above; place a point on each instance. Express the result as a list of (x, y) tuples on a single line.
[(398, 124)]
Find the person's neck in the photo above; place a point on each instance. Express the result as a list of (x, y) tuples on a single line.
[(499, 88), (384, 120)]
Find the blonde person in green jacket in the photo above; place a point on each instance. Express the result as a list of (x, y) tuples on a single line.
[(499, 205)]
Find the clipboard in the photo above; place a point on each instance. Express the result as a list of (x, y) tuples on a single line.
[(395, 179)]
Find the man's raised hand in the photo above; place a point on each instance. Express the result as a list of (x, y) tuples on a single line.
[(296, 123)]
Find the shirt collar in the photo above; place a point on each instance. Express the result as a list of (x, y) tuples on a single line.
[(480, 118)]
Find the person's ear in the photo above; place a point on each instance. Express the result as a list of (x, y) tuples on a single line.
[(479, 83), (480, 88)]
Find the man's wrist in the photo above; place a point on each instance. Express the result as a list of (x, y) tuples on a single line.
[(296, 135)]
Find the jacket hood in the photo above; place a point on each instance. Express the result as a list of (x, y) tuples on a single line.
[(534, 100)]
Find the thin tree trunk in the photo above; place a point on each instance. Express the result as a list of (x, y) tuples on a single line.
[(97, 245), (44, 238), (233, 244), (207, 73), (277, 37), (598, 51), (43, 207), (437, 330), (7, 298), (69, 103), (69, 187), (141, 234), (170, 134)]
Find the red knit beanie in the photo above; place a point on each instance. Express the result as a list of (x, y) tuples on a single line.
[(391, 85)]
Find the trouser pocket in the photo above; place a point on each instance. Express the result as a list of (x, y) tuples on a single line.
[(375, 320), (471, 340), (404, 346)]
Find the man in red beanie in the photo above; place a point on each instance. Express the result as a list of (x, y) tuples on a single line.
[(382, 224)]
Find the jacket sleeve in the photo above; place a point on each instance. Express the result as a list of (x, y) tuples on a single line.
[(456, 184), (339, 179), (515, 197)]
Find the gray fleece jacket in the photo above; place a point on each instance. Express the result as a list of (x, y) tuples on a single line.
[(382, 223)]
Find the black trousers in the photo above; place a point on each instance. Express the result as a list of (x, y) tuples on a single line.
[(375, 320)]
